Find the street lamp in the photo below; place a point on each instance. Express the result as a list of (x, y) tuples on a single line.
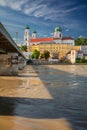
[(16, 37)]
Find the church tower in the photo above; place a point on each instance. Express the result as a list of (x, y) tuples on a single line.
[(27, 36), (34, 34), (58, 32)]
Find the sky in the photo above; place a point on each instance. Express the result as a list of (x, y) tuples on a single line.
[(43, 16)]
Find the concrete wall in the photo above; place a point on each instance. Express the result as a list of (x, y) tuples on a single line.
[(9, 64)]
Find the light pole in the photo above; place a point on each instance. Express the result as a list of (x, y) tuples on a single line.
[(16, 37)]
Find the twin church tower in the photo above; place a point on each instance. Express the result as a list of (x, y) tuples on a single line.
[(56, 38)]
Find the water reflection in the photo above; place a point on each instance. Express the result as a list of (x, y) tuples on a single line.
[(50, 92)]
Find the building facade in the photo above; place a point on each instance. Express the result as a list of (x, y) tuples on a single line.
[(57, 37), (55, 49)]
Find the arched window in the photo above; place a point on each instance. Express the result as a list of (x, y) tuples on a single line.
[(60, 35)]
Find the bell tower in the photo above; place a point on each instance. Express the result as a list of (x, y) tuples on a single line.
[(27, 36), (58, 32), (34, 34)]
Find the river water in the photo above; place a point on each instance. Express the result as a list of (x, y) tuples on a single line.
[(45, 97)]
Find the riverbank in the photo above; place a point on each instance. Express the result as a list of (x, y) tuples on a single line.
[(47, 62)]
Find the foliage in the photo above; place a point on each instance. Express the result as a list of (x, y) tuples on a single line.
[(35, 54), (81, 41), (78, 60), (42, 56), (46, 54), (23, 48)]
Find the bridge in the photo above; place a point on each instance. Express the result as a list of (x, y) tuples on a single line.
[(11, 57)]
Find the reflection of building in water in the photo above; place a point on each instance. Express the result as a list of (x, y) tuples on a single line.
[(56, 38)]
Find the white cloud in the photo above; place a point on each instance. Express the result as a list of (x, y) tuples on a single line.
[(41, 8), (80, 36), (67, 30), (59, 13), (14, 25), (45, 35), (51, 34), (14, 4)]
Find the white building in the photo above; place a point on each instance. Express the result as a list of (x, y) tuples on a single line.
[(80, 54), (73, 54), (57, 38), (84, 49)]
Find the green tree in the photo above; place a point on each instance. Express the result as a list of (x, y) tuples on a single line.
[(81, 41), (35, 54), (23, 48), (46, 54)]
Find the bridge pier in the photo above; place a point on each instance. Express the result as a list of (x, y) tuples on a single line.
[(9, 64)]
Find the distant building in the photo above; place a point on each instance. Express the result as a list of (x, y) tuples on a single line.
[(57, 37), (73, 56), (84, 49), (85, 56), (80, 54), (55, 49)]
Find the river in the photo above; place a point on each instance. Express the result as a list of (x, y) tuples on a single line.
[(44, 97)]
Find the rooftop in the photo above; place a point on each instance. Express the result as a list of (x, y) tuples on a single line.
[(50, 39)]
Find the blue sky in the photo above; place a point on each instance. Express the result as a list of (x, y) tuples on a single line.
[(43, 16)]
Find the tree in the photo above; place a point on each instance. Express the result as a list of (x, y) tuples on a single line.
[(35, 54), (46, 54), (24, 48), (42, 56), (81, 41)]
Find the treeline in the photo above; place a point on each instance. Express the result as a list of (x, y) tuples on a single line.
[(81, 41)]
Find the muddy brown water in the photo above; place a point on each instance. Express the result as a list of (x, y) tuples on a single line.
[(45, 97)]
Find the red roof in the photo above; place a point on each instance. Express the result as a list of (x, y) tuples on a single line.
[(50, 39), (67, 38)]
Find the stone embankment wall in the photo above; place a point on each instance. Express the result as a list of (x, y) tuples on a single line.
[(44, 62)]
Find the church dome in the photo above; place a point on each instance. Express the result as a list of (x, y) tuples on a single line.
[(58, 29), (27, 27), (34, 31)]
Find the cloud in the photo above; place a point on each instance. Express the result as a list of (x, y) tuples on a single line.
[(14, 25), (67, 30), (42, 8), (51, 34), (80, 36), (42, 14), (13, 4)]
